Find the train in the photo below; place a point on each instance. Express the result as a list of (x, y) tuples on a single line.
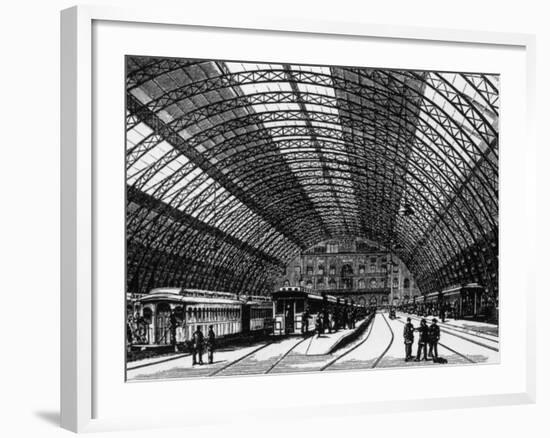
[(170, 316), (461, 302), (291, 302)]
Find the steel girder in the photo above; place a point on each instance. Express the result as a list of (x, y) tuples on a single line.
[(383, 141)]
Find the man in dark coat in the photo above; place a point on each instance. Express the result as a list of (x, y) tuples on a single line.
[(423, 339), (211, 343), (305, 322), (434, 335), (319, 324), (173, 327), (198, 345), (408, 336)]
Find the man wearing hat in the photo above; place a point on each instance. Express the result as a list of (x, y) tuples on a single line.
[(422, 341), (211, 343), (408, 336), (433, 336)]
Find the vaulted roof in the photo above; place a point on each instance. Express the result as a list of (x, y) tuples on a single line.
[(234, 168)]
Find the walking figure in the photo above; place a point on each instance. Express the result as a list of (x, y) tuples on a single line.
[(211, 343), (173, 327), (434, 335), (422, 341), (305, 322), (408, 336), (319, 324), (198, 345), (326, 321)]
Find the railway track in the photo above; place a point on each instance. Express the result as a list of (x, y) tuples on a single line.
[(355, 347), (477, 334), (236, 361), (281, 358), (389, 345), (454, 332)]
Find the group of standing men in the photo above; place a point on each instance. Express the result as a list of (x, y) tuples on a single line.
[(198, 344), (428, 335), (334, 321)]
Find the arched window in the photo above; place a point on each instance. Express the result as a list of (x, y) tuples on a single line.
[(372, 283), (332, 284), (347, 270), (321, 269), (361, 284), (147, 315), (309, 284)]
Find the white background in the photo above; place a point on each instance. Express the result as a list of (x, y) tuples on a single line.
[(29, 75)]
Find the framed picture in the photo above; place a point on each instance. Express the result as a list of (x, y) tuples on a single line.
[(260, 209)]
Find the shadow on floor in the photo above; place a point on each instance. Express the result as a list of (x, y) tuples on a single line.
[(51, 417)]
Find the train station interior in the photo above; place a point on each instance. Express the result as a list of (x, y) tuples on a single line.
[(374, 188)]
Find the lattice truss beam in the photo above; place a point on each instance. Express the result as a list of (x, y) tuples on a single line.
[(234, 168)]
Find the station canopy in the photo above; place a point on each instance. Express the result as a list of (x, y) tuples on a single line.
[(234, 168)]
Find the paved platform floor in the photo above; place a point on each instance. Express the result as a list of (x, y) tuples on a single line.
[(379, 346)]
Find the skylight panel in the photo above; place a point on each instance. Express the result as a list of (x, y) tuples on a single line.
[(321, 108), (275, 107), (138, 133), (237, 67), (284, 123), (328, 125), (147, 159), (316, 89), (312, 69)]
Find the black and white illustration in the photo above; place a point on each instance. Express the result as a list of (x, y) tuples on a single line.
[(285, 218)]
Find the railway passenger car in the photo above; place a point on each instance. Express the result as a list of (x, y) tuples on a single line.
[(461, 302), (171, 315), (258, 315), (290, 303)]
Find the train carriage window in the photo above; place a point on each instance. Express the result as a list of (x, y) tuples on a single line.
[(279, 306), (299, 306), (180, 315), (148, 315)]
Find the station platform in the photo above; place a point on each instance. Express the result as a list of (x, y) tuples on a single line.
[(329, 342)]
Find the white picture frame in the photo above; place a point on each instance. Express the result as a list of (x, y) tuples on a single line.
[(79, 202)]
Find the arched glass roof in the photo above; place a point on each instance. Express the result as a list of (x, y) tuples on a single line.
[(233, 168)]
